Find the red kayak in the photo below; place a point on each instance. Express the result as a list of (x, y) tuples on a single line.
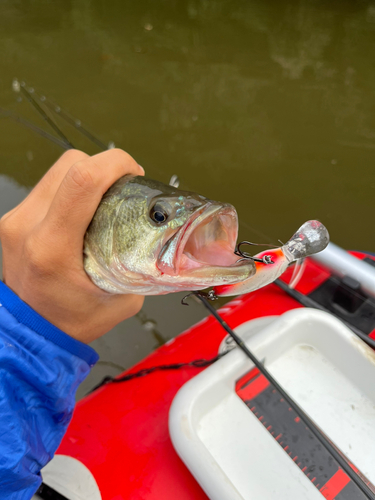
[(119, 435)]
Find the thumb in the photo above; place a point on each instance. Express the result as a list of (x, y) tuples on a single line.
[(81, 191)]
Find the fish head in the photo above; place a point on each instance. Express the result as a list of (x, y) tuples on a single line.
[(150, 238)]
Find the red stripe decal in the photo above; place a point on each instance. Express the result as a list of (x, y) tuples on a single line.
[(336, 484), (254, 388), (240, 384)]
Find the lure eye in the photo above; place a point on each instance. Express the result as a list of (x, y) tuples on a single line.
[(158, 214)]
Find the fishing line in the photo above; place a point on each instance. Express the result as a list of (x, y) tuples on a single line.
[(257, 231)]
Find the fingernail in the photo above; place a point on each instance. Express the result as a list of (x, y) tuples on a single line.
[(143, 170)]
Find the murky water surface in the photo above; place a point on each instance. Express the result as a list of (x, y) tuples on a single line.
[(267, 105)]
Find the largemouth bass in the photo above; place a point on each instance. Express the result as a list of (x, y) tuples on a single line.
[(151, 239)]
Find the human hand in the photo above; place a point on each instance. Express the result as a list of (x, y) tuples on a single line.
[(42, 240)]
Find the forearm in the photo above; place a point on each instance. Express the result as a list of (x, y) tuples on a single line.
[(40, 370)]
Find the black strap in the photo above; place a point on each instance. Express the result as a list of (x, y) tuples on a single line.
[(47, 493)]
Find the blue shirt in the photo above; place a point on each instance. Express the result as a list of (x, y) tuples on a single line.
[(40, 370)]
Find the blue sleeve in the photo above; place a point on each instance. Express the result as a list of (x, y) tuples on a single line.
[(40, 370)]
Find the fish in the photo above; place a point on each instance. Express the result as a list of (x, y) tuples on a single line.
[(312, 237), (149, 238)]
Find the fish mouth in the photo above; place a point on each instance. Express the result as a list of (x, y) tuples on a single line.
[(203, 248)]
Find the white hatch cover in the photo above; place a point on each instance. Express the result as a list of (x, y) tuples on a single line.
[(241, 441), (71, 478)]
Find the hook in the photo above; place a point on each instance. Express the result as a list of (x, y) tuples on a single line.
[(267, 259), (207, 295)]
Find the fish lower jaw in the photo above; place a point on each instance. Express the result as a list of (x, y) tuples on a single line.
[(160, 284), (203, 276)]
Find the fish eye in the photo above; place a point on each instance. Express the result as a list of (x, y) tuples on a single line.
[(158, 214)]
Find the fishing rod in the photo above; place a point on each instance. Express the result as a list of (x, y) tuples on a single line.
[(75, 123), (5, 113), (40, 110), (32, 96)]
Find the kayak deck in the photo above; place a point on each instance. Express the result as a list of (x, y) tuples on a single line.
[(120, 432)]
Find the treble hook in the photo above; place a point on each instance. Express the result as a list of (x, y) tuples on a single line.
[(207, 295), (267, 259)]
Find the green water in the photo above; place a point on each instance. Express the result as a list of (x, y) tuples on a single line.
[(267, 105)]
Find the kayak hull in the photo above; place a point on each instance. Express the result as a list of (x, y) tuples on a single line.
[(120, 432)]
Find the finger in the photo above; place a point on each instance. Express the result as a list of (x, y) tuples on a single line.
[(82, 189), (50, 182)]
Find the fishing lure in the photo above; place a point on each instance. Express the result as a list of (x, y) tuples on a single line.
[(312, 237)]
